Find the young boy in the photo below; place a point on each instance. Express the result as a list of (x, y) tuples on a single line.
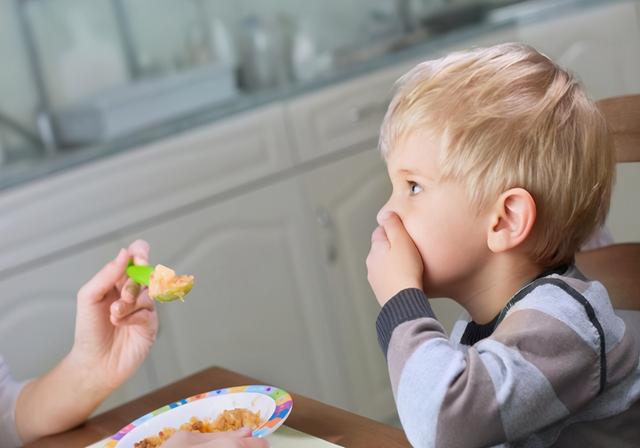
[(501, 168)]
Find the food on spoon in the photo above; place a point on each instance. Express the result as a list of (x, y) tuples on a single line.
[(229, 420), (166, 286)]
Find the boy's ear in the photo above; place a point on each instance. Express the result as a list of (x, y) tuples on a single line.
[(511, 220)]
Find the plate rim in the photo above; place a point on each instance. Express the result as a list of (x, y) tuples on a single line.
[(282, 399)]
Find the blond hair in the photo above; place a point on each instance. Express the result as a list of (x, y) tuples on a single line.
[(509, 118)]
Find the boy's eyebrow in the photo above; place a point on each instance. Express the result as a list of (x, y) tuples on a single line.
[(410, 172)]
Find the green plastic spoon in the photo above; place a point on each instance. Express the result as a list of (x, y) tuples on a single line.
[(139, 273), (142, 276)]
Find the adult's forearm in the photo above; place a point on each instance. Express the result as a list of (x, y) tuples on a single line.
[(59, 400)]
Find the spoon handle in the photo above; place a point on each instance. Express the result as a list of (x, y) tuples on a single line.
[(139, 273)]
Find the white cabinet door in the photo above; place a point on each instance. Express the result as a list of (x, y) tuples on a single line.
[(37, 322), (601, 44), (346, 197), (256, 305)]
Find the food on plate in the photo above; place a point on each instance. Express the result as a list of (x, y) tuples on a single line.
[(228, 420), (166, 286)]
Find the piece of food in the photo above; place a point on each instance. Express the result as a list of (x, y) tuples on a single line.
[(166, 286), (229, 420), (236, 419)]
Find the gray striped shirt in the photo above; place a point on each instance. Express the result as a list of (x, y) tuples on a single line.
[(559, 369)]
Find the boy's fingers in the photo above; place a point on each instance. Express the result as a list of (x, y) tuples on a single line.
[(394, 228), (105, 280), (379, 236)]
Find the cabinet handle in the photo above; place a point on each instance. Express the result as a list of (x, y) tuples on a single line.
[(328, 227)]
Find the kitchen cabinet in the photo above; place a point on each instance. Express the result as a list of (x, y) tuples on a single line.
[(341, 117), (345, 211), (97, 199), (600, 44)]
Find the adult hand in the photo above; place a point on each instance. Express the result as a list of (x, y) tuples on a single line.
[(116, 321), (116, 324), (235, 439), (393, 263)]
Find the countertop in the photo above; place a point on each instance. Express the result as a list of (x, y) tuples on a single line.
[(15, 174)]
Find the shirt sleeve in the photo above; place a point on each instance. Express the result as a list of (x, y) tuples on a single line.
[(9, 391), (533, 371)]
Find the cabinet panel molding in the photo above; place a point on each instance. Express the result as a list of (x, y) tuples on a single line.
[(112, 193)]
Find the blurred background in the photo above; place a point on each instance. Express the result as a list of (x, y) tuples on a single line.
[(239, 138)]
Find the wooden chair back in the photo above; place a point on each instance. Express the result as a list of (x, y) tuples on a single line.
[(618, 266)]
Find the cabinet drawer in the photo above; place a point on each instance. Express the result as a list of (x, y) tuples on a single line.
[(350, 114), (343, 116), (115, 192)]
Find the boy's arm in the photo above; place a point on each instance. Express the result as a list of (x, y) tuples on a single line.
[(533, 371), (444, 396)]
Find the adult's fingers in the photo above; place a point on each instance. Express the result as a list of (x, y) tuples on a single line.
[(236, 439), (96, 289), (141, 318), (123, 308), (129, 291), (253, 443), (139, 254), (139, 250)]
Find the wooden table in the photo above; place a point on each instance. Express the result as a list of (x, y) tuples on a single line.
[(310, 416)]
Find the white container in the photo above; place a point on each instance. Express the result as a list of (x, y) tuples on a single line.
[(90, 65), (120, 111), (225, 52)]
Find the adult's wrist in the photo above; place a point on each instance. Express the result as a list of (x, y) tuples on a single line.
[(88, 375)]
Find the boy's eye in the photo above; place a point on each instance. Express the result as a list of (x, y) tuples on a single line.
[(414, 188)]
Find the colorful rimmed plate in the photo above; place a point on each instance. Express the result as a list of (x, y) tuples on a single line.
[(273, 404)]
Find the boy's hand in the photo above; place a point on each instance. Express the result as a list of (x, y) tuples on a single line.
[(394, 262), (116, 322)]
